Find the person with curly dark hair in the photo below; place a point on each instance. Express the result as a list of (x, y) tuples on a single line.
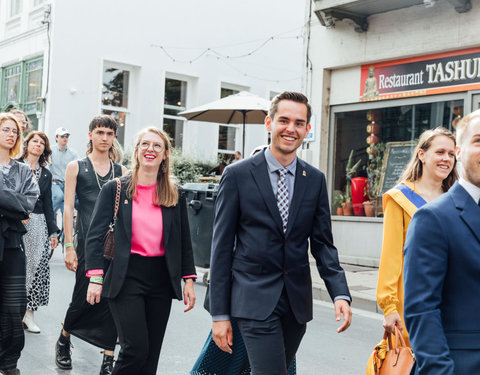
[(42, 232)]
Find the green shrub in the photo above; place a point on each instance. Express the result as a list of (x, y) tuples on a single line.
[(186, 169)]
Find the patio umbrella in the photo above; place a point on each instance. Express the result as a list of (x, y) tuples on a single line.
[(242, 108)]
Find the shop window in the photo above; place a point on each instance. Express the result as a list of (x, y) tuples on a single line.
[(227, 134), (115, 90), (365, 133), (21, 87), (175, 96)]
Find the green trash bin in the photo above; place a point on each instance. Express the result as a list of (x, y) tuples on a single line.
[(201, 210)]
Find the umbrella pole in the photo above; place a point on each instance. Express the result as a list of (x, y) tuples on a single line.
[(243, 143)]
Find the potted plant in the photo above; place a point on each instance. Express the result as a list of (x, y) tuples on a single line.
[(374, 171), (349, 173), (368, 205), (338, 200)]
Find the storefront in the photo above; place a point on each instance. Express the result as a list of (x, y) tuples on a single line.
[(370, 141)]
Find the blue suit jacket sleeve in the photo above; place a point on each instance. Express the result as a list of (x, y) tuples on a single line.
[(227, 211), (324, 251), (425, 269)]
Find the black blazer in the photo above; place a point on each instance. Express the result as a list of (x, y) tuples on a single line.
[(44, 203), (176, 237), (253, 259)]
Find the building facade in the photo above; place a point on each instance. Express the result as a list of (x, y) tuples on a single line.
[(380, 73), (64, 62)]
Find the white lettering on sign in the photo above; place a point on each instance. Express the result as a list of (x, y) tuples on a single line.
[(400, 80), (457, 70)]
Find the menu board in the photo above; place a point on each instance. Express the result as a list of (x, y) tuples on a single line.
[(396, 157)]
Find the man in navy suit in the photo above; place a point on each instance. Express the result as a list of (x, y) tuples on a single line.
[(268, 208), (442, 269)]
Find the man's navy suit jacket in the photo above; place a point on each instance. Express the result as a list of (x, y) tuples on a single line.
[(253, 259), (442, 284)]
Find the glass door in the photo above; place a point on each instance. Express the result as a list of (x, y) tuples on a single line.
[(475, 102)]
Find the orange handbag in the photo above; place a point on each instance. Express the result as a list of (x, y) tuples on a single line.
[(399, 358)]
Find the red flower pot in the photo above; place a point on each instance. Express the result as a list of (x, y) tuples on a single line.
[(359, 185)]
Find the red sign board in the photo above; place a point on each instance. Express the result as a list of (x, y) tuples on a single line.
[(424, 75)]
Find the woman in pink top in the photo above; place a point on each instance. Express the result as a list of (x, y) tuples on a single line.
[(153, 253)]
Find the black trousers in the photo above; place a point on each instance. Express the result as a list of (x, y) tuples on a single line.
[(141, 312), (272, 343), (13, 303)]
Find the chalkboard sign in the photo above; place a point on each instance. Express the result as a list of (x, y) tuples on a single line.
[(397, 156)]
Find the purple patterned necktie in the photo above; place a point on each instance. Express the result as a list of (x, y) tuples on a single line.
[(282, 197)]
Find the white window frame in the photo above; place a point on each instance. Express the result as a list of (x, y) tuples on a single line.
[(238, 128), (111, 64), (37, 3), (15, 5), (237, 133), (174, 107)]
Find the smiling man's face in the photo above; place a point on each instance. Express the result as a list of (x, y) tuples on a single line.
[(288, 127)]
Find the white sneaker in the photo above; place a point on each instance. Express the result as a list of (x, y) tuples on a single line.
[(29, 323)]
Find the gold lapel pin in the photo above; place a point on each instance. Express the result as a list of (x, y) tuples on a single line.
[(304, 173), (126, 201)]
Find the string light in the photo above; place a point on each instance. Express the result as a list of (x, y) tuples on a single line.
[(226, 58), (215, 52)]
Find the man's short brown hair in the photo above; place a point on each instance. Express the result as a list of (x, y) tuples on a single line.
[(294, 97), (463, 125)]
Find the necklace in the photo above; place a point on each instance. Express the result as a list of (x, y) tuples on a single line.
[(105, 179), (37, 172)]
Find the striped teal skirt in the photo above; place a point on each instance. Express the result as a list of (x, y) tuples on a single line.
[(214, 361)]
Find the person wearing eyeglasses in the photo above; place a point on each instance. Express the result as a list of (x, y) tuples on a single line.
[(61, 156), (18, 194), (22, 119), (153, 253)]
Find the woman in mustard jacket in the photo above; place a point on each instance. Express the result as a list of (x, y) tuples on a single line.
[(430, 173)]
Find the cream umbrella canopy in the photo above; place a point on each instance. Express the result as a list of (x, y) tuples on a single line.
[(242, 108)]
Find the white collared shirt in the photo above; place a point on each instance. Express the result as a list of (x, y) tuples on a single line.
[(471, 189)]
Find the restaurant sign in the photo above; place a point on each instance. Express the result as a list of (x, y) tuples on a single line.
[(425, 75)]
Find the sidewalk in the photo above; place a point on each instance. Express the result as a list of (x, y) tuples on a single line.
[(362, 282)]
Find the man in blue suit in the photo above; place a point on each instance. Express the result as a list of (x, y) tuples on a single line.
[(442, 269), (268, 209)]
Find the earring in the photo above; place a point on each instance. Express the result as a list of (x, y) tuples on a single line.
[(164, 167)]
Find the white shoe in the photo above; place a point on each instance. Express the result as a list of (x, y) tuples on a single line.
[(29, 323)]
